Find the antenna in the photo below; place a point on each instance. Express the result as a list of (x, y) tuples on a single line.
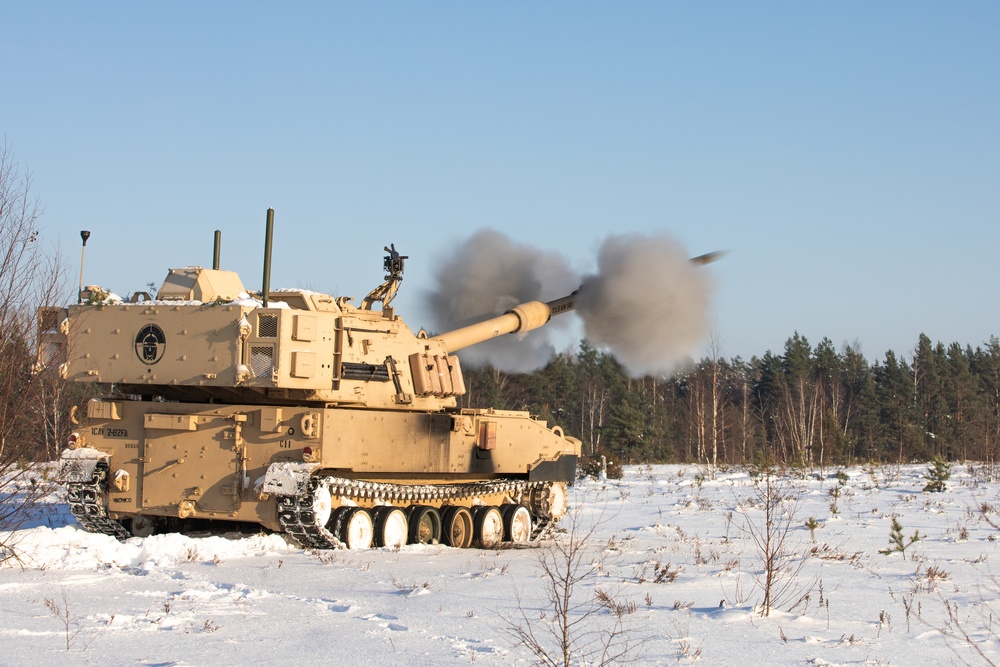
[(268, 234), (218, 248), (84, 234)]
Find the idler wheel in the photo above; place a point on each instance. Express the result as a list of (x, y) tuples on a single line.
[(557, 500), (456, 526), (143, 526), (425, 524), (488, 526), (352, 526), (516, 523), (390, 525), (322, 504)]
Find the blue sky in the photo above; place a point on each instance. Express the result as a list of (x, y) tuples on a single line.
[(846, 154)]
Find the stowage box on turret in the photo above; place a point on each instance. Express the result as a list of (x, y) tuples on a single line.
[(299, 412)]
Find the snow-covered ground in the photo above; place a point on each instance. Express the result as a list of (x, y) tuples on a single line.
[(672, 549)]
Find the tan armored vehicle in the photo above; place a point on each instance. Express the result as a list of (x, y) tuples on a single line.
[(299, 412)]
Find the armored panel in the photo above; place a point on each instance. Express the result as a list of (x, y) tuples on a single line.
[(155, 344), (291, 349), (177, 450)]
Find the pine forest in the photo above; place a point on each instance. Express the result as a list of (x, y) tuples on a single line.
[(808, 406)]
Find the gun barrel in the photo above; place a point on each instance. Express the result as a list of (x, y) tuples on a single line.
[(563, 305), (518, 319)]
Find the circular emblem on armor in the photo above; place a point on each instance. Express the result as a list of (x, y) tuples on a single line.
[(150, 344)]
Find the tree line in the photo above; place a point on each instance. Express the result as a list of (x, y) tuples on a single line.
[(807, 406)]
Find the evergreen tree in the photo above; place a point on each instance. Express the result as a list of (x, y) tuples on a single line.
[(895, 440), (600, 380)]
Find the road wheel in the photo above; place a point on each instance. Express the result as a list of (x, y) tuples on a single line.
[(391, 526), (456, 526), (488, 524), (516, 523), (352, 526), (425, 524)]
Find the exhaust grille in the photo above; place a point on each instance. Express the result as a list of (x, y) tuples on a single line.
[(48, 319), (267, 325), (261, 360)]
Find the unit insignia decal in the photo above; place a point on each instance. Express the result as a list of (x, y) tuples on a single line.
[(150, 344)]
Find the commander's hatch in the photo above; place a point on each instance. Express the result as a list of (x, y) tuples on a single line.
[(194, 283)]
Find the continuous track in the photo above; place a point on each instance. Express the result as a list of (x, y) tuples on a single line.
[(305, 516), (299, 517), (88, 503)]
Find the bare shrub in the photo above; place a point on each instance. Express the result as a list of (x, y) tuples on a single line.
[(209, 626), (971, 626), (72, 626), (610, 602), (932, 577), (680, 634), (662, 573), (574, 623), (409, 589), (60, 609)]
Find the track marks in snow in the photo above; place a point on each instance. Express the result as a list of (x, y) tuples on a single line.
[(470, 647), (344, 610), (386, 622), (337, 607)]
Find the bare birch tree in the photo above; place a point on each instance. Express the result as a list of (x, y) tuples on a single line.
[(29, 278), (771, 536)]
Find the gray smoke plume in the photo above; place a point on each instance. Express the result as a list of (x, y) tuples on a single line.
[(648, 303), (488, 275)]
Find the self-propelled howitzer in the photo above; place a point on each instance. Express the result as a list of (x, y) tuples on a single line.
[(296, 411)]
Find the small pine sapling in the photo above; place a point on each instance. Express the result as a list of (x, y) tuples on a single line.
[(812, 524), (937, 474), (835, 494), (897, 541)]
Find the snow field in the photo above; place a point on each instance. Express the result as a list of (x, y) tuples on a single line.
[(670, 551)]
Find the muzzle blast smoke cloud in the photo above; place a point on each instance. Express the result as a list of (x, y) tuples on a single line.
[(648, 303)]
